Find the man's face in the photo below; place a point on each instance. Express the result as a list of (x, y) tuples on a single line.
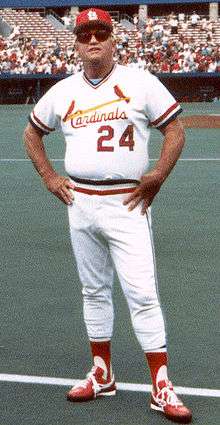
[(95, 45)]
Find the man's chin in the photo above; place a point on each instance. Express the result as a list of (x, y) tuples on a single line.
[(95, 59)]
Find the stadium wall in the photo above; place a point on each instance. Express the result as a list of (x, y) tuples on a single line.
[(188, 87)]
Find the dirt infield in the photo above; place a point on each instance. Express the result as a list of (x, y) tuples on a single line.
[(201, 121)]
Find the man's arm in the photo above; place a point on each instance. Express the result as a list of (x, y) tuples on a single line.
[(151, 182), (60, 186)]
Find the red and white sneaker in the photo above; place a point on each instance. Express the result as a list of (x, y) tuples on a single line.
[(166, 401), (93, 386)]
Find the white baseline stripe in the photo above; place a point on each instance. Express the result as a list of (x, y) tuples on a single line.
[(62, 160), (46, 380)]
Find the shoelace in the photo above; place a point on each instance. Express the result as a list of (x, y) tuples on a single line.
[(90, 376), (167, 396)]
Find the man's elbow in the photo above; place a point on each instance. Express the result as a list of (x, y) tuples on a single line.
[(181, 134), (31, 139), (174, 129), (27, 140)]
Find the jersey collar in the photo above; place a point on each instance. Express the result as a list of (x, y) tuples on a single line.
[(95, 86)]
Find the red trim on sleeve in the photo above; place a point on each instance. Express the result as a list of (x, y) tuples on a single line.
[(161, 118), (42, 124)]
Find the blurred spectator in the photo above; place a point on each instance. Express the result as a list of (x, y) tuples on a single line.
[(173, 25), (124, 39), (158, 30), (67, 20), (57, 48), (135, 20), (164, 41), (184, 26), (31, 66), (181, 17), (165, 66), (149, 31), (175, 68), (204, 24), (141, 62), (15, 32), (34, 42), (194, 19), (212, 66)]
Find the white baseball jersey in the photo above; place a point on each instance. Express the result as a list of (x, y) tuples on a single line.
[(106, 126)]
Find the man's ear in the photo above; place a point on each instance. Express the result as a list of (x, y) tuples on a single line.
[(113, 44)]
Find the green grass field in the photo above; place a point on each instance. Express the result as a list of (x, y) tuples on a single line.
[(42, 330)]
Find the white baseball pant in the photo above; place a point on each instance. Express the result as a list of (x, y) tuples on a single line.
[(104, 236)]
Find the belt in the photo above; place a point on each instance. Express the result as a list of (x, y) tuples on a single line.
[(104, 187)]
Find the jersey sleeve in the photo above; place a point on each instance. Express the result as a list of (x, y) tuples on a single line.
[(44, 116), (161, 106)]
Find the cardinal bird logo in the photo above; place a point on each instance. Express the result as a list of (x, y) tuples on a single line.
[(92, 16)]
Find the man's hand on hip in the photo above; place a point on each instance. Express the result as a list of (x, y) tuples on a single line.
[(146, 191), (151, 182), (61, 187)]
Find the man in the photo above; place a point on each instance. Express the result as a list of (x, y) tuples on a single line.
[(105, 113), (194, 19)]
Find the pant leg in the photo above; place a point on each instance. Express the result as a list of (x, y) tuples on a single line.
[(94, 266), (133, 255)]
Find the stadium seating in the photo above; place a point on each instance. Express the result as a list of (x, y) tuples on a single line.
[(48, 37), (33, 25)]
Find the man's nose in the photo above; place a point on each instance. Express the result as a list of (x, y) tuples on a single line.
[(93, 39)]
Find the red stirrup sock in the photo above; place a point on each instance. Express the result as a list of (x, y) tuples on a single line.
[(157, 362), (101, 352)]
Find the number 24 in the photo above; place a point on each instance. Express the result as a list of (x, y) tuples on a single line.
[(126, 140)]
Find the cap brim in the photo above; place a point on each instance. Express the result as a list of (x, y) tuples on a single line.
[(92, 24)]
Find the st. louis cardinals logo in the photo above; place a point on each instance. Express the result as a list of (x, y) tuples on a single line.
[(92, 15), (81, 118)]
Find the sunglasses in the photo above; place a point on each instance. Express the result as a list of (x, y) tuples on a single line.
[(100, 35)]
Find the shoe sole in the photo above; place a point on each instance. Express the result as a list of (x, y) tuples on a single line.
[(154, 407), (101, 394), (106, 394), (176, 419)]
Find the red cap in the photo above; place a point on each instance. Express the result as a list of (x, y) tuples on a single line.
[(91, 17)]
